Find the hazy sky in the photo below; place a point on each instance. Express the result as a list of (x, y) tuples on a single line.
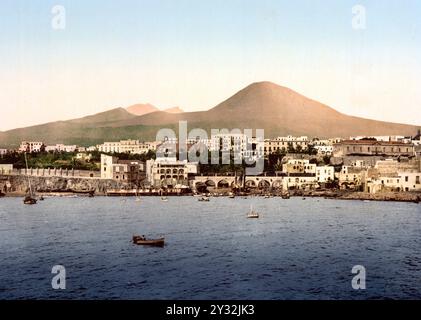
[(196, 53)]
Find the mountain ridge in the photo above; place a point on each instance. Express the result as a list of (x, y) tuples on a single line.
[(261, 105)]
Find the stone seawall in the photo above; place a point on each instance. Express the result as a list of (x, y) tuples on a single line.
[(10, 184)]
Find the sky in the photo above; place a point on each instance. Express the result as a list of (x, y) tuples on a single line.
[(197, 53)]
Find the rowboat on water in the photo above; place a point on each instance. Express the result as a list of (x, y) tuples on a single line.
[(141, 240)]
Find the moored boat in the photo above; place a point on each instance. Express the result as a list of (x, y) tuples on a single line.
[(29, 200)]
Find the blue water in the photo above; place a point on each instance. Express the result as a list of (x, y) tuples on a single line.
[(298, 249)]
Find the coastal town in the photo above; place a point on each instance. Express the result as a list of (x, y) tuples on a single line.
[(359, 167)]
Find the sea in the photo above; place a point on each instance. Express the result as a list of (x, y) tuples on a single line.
[(299, 248)]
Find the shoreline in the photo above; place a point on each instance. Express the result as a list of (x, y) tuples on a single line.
[(332, 195)]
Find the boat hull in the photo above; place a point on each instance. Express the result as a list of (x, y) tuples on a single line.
[(30, 201), (151, 242)]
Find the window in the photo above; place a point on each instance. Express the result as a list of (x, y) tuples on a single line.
[(417, 179), (406, 179)]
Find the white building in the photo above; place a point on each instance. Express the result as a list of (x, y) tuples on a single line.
[(283, 144), (31, 146), (127, 146), (324, 150), (61, 148), (170, 172), (83, 156), (239, 144), (325, 174), (129, 171), (3, 152), (6, 169)]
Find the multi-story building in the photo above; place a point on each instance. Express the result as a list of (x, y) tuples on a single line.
[(127, 146), (351, 177), (283, 144), (302, 168), (391, 175), (170, 172), (31, 146), (325, 174), (372, 148), (299, 166), (130, 171), (239, 144), (3, 152)]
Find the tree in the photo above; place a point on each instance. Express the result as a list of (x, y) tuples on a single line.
[(326, 159)]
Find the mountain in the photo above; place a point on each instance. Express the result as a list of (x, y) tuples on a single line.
[(264, 105), (278, 110), (141, 109), (174, 110)]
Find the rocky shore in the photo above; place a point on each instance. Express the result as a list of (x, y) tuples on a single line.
[(17, 185), (354, 195), (59, 186)]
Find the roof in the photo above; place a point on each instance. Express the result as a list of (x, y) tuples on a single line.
[(374, 142)]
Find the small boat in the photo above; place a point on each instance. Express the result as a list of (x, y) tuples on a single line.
[(41, 198), (204, 199), (267, 196), (231, 196), (29, 200), (164, 199), (252, 214), (138, 199), (285, 196), (141, 240)]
